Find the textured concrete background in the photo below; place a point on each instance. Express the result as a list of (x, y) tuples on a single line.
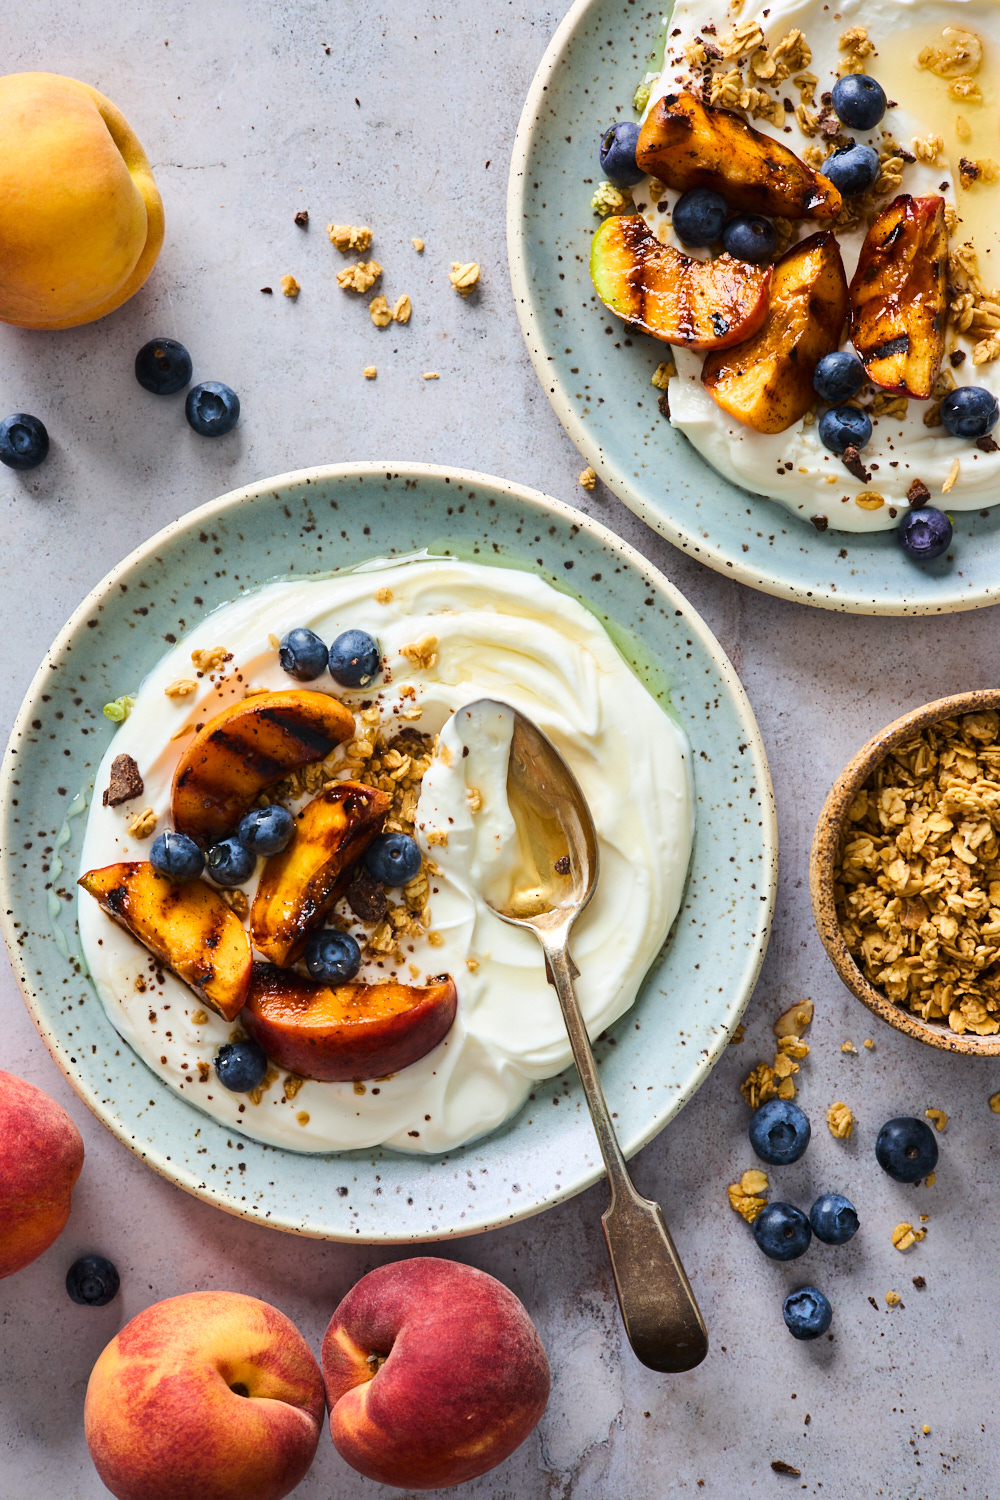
[(403, 118)]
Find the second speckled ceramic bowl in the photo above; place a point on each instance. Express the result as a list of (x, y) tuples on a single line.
[(826, 843), (660, 1052)]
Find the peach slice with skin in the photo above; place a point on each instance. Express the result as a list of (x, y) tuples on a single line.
[(701, 304), (189, 928), (687, 144), (347, 1031), (244, 750), (300, 885), (766, 383), (899, 296)]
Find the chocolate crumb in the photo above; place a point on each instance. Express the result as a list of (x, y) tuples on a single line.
[(820, 522), (780, 1467), (125, 782), (366, 897), (268, 289), (919, 1283), (302, 218), (826, 98), (956, 358), (664, 404), (907, 156), (918, 494), (987, 444), (851, 460), (562, 865)]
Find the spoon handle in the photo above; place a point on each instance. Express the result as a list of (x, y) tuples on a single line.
[(661, 1316)]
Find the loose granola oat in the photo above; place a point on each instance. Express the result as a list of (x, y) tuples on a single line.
[(747, 1197), (856, 44), (774, 1080), (869, 500), (430, 375), (417, 244), (464, 277), (182, 687), (199, 1017), (840, 1121), (927, 148), (849, 1047), (378, 310), (937, 1117), (588, 478), (370, 371), (904, 1235), (737, 1035), (290, 286), (663, 374), (961, 53), (951, 477), (359, 278), (211, 659), (291, 1083), (350, 236), (609, 199), (256, 1095), (794, 1021), (421, 654), (401, 309), (994, 1103), (143, 824), (868, 1042), (893, 1299)]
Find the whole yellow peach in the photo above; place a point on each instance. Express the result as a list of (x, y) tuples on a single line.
[(81, 221), (41, 1154)]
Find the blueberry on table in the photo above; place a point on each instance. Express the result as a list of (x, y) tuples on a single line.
[(838, 376), (852, 169), (211, 408), (618, 154), (834, 1219), (782, 1231), (240, 1066), (332, 957), (93, 1281), (176, 856), (267, 830), (163, 366), (971, 411), (303, 655), (807, 1313), (354, 659), (749, 237), (24, 442), (925, 533), (393, 858), (699, 216), (905, 1147), (858, 101), (779, 1132), (230, 862), (844, 427)]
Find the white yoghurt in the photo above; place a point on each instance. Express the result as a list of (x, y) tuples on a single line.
[(793, 466), (502, 634)]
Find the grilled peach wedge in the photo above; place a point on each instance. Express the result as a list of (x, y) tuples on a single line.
[(299, 886), (766, 383), (348, 1031), (687, 144), (899, 296), (189, 928), (244, 750), (702, 304)]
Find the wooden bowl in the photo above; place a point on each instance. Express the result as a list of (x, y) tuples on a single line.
[(826, 842)]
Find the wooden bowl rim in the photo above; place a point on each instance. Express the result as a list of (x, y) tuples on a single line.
[(826, 840)]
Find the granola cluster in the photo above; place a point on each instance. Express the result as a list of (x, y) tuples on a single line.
[(917, 877), (774, 1080), (972, 308)]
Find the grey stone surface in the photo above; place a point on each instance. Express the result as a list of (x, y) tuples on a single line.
[(249, 114)]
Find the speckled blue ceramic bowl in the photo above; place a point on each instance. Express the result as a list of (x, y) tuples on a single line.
[(320, 519), (599, 386)]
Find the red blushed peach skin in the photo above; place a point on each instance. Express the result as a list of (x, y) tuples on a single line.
[(465, 1377), (41, 1154), (348, 1031), (207, 1396)]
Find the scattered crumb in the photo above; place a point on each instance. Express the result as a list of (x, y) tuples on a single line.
[(849, 1047), (199, 1017), (952, 476), (794, 1021), (302, 218), (474, 797), (359, 278), (995, 1103), (937, 1117), (435, 939), (904, 1235), (257, 1094), (379, 312), (920, 1283), (588, 478), (185, 729), (125, 782), (609, 199), (780, 1467), (383, 596), (208, 660), (290, 286), (421, 654), (464, 277), (472, 964), (370, 372), (183, 687), (663, 374), (269, 290), (302, 1118), (430, 375), (437, 838), (291, 1083), (418, 245), (737, 1035), (747, 1197), (840, 1120), (273, 642), (143, 824), (868, 1042), (349, 236), (925, 1429), (401, 310), (893, 1299)]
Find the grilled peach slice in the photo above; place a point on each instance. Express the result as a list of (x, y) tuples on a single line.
[(189, 928), (899, 296), (702, 304), (246, 748), (687, 144), (300, 885), (348, 1031), (766, 383)]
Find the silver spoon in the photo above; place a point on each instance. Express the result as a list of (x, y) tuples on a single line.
[(557, 879)]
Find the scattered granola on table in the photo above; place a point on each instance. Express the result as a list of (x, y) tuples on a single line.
[(840, 1121), (747, 1197), (937, 1117), (904, 1235), (774, 1080), (349, 236), (588, 478)]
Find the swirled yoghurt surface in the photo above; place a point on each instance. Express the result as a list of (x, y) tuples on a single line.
[(482, 632)]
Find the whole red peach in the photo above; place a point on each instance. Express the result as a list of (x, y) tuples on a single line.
[(41, 1154), (434, 1374), (206, 1396)]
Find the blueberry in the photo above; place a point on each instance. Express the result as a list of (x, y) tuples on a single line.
[(838, 376), (971, 411), (782, 1231), (844, 426), (240, 1066), (354, 659), (859, 101), (924, 533), (852, 169), (267, 830), (163, 366), (332, 957), (23, 441), (303, 655), (833, 1219), (211, 408), (177, 857), (230, 862), (807, 1313), (749, 237), (906, 1149), (618, 154), (779, 1132), (93, 1281), (393, 858), (698, 216)]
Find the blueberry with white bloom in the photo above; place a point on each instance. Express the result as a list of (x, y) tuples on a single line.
[(699, 216), (844, 427), (177, 857), (859, 102), (971, 411), (807, 1313), (838, 376), (925, 533), (617, 154), (230, 862), (303, 655), (267, 830), (834, 1219), (212, 409), (852, 169), (24, 442), (779, 1132)]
